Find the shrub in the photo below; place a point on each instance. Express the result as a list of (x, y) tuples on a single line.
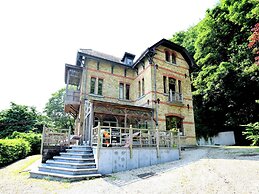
[(12, 150), (252, 133), (33, 138)]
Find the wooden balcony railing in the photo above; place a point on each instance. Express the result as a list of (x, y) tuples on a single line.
[(55, 137), (133, 137), (72, 97)]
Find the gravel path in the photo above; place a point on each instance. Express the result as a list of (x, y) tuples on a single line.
[(202, 170)]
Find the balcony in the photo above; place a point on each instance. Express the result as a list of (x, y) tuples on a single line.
[(175, 97), (72, 101)]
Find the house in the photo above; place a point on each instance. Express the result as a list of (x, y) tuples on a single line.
[(154, 90), (127, 109)]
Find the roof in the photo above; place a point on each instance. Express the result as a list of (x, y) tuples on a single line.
[(101, 55), (148, 52), (170, 45)]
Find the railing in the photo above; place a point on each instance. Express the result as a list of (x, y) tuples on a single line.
[(55, 137), (72, 97), (103, 136), (175, 96)]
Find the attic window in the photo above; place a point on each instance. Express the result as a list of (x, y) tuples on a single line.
[(167, 56), (129, 61)]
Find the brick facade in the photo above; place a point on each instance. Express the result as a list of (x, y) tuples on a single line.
[(140, 79)]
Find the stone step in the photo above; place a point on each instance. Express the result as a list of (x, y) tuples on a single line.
[(76, 155), (59, 177), (80, 147), (70, 165), (79, 151), (73, 160), (68, 171)]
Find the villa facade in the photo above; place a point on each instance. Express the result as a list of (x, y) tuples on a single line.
[(152, 91)]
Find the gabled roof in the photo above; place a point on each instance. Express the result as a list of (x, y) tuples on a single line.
[(170, 45)]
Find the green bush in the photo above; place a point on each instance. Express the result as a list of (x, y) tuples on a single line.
[(252, 133), (33, 138), (12, 150)]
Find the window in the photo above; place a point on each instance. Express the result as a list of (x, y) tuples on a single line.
[(167, 56), (164, 82), (174, 122), (143, 86), (98, 65), (112, 69), (121, 91), (100, 87), (93, 81), (127, 91), (128, 61), (139, 89), (173, 58), (125, 72)]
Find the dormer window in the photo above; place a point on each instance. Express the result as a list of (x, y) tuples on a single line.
[(128, 58), (167, 56), (129, 61)]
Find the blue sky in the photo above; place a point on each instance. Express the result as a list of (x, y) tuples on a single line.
[(38, 37)]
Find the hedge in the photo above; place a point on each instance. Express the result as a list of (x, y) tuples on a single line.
[(12, 150), (33, 138)]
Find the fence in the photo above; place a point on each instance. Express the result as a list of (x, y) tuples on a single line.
[(133, 137), (55, 138)]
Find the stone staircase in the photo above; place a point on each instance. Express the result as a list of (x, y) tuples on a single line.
[(77, 163)]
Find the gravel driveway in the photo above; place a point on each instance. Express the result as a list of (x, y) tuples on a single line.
[(201, 170)]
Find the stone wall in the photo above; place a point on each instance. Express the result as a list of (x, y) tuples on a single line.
[(118, 159)]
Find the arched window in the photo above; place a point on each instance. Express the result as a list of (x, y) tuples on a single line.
[(173, 58), (167, 56)]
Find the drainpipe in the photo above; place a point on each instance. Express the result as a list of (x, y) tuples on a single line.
[(155, 95)]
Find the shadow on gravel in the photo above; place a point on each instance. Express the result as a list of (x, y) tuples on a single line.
[(189, 156)]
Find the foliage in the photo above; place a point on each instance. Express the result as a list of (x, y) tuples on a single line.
[(17, 118), (226, 84), (55, 110), (33, 138), (12, 150), (254, 42), (252, 133)]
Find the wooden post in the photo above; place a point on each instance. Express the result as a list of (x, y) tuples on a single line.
[(179, 143), (69, 132), (171, 139), (131, 140), (149, 138), (98, 140), (42, 140), (157, 143)]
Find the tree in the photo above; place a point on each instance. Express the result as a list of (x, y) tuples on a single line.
[(254, 42), (55, 110), (225, 86), (19, 118)]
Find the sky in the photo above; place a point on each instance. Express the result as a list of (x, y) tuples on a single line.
[(37, 37)]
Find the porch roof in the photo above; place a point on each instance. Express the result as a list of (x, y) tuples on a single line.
[(122, 106)]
